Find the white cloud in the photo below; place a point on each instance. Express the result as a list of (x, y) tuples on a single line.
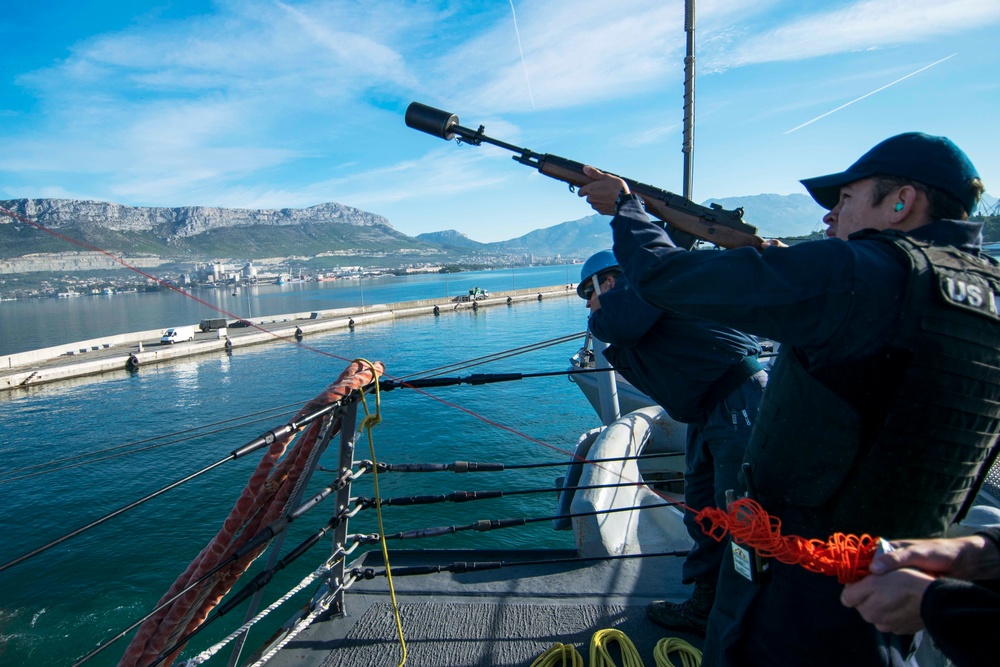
[(860, 26)]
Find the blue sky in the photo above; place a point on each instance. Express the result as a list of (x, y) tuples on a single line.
[(266, 104)]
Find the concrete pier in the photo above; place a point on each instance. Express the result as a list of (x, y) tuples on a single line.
[(112, 353)]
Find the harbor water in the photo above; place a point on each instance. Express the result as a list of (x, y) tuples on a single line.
[(30, 324), (74, 452)]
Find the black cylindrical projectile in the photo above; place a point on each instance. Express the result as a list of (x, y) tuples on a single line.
[(430, 120)]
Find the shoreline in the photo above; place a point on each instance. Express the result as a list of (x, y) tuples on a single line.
[(107, 354)]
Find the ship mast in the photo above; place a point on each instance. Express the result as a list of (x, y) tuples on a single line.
[(687, 147)]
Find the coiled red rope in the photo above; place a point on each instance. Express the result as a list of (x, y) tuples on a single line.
[(846, 557)]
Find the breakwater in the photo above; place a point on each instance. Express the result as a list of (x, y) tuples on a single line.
[(113, 353)]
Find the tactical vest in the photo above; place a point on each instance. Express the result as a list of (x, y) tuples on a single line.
[(904, 461)]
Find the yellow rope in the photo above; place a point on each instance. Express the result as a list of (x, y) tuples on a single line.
[(369, 422), (559, 655), (566, 655), (599, 656), (690, 656)]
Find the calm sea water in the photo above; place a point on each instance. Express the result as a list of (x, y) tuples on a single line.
[(59, 605), (30, 324)]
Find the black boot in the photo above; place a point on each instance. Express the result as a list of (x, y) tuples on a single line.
[(690, 616)]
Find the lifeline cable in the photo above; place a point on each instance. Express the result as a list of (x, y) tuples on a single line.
[(477, 566), (491, 494), (484, 525), (496, 356), (131, 451), (67, 459), (471, 466)]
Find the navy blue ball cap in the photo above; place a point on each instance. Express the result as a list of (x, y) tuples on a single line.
[(924, 158)]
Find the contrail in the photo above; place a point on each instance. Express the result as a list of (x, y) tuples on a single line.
[(810, 122), (523, 64)]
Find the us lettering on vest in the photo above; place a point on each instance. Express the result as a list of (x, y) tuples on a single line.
[(968, 291)]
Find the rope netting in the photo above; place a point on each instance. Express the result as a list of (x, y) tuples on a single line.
[(262, 501), (846, 557)]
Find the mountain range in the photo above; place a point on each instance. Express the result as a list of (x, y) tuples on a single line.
[(329, 231)]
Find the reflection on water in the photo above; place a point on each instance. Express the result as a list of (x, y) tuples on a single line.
[(185, 375)]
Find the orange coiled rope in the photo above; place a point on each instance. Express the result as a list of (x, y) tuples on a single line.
[(262, 501), (846, 557)]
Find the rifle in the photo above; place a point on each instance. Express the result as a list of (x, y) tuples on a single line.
[(713, 224)]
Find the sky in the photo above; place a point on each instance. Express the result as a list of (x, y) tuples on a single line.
[(287, 104)]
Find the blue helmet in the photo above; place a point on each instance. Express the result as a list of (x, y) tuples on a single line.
[(598, 262)]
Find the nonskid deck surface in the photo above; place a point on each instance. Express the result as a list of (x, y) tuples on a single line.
[(507, 616)]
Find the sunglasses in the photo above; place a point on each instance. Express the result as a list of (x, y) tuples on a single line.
[(589, 290)]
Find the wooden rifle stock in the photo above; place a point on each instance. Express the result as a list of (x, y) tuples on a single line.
[(716, 225)]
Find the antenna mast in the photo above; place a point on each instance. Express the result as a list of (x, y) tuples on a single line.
[(688, 143)]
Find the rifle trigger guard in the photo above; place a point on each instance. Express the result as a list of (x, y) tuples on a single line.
[(572, 188)]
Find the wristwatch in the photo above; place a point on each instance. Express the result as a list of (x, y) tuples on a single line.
[(623, 197)]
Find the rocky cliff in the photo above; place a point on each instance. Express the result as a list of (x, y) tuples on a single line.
[(180, 222)]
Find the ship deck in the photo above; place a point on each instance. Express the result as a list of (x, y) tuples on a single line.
[(506, 616)]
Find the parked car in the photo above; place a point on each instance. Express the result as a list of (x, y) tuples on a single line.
[(177, 335)]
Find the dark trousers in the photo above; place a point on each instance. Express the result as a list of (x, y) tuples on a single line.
[(715, 447), (795, 618)]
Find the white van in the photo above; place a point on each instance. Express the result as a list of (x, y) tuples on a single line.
[(177, 335)]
